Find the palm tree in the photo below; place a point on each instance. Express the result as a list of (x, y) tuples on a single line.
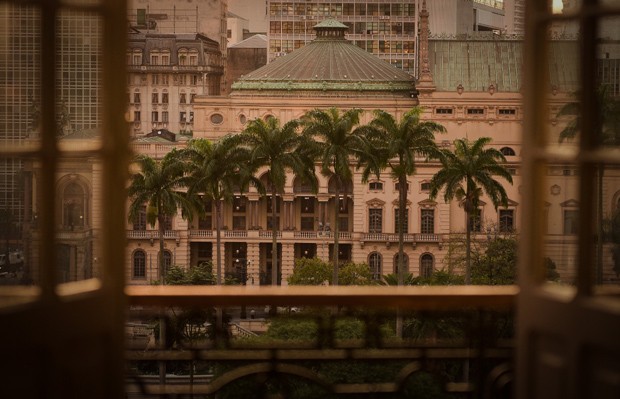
[(334, 142), (279, 149), (215, 172), (157, 185), (466, 174), (397, 144), (609, 135)]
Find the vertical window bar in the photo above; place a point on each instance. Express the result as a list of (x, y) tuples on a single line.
[(589, 141), (49, 150)]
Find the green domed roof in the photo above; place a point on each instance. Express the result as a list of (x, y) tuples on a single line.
[(329, 65)]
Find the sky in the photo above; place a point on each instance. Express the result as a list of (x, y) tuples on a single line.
[(557, 5)]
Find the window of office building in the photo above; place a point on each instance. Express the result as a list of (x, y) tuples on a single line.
[(427, 222)]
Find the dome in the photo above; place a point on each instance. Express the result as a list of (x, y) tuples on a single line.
[(329, 65)]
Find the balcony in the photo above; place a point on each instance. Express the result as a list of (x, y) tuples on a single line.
[(457, 340)]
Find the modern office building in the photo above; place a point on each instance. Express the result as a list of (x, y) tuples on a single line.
[(385, 28)]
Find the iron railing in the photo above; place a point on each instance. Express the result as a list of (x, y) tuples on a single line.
[(455, 339)]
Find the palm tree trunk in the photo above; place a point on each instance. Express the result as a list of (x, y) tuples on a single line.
[(219, 320), (467, 248), (274, 232), (402, 202), (336, 231), (218, 241), (162, 281)]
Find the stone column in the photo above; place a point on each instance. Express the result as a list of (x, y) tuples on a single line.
[(288, 261)]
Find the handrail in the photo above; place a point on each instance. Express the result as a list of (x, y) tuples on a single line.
[(406, 297)]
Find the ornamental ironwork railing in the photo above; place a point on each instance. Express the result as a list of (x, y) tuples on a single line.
[(304, 342)]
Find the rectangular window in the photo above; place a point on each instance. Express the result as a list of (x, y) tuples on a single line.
[(191, 116), (238, 222), (427, 223), (167, 222), (155, 79), (475, 111), (397, 223), (443, 111), (164, 116), (506, 220), (269, 206), (164, 98), (136, 98), (183, 116), (475, 218), (270, 222), (508, 111), (307, 205), (136, 116), (205, 222), (375, 186), (344, 223), (154, 60), (192, 97), (375, 220), (154, 116), (155, 98), (239, 204), (164, 79), (165, 60), (183, 98), (140, 222), (307, 223), (571, 221)]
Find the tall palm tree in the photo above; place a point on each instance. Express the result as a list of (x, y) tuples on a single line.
[(157, 185), (466, 174), (280, 149), (334, 142), (397, 144), (216, 171), (609, 135)]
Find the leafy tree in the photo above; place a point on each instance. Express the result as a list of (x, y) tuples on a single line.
[(355, 274), (279, 148), (397, 144), (216, 172), (317, 272), (310, 272), (157, 185), (468, 172), (498, 266), (201, 274), (334, 141)]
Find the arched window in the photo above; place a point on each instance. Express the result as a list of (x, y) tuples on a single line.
[(73, 205), (405, 261), (426, 265), (507, 151), (182, 54), (139, 264), (374, 261), (167, 260)]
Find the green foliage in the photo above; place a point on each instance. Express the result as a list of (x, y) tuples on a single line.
[(441, 277), (310, 272), (498, 265), (355, 274), (201, 274), (392, 279), (317, 272)]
